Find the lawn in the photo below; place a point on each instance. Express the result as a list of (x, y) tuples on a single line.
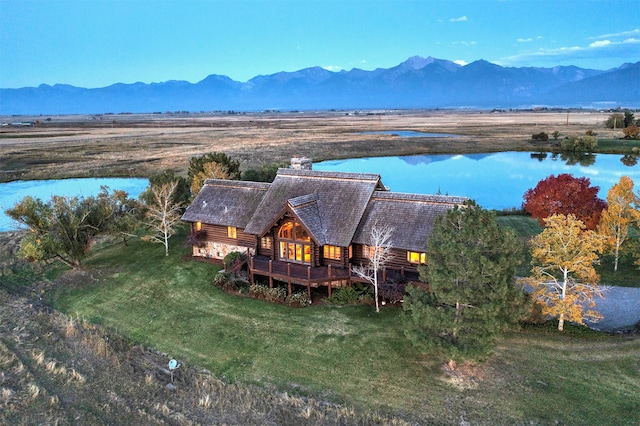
[(351, 355)]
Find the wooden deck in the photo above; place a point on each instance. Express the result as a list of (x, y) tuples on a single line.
[(308, 276)]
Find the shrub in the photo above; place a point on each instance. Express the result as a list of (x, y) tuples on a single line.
[(230, 258), (258, 291), (393, 290), (344, 296), (367, 299), (631, 132), (221, 279), (275, 294), (298, 300), (228, 281), (542, 136), (242, 284), (586, 143)]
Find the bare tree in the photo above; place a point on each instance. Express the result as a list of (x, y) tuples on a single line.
[(162, 215), (379, 253)]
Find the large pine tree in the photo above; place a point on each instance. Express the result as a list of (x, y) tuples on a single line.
[(470, 275)]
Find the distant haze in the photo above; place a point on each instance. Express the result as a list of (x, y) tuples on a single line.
[(416, 83)]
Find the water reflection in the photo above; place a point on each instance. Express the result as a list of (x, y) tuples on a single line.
[(409, 134), (494, 180)]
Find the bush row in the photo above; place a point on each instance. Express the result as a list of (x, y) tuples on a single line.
[(239, 283)]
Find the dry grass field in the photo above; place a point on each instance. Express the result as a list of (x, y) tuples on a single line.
[(141, 144)]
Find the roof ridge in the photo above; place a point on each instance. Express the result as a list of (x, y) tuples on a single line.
[(327, 175), (237, 183), (413, 197)]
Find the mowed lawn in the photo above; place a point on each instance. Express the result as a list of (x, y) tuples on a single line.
[(350, 355)]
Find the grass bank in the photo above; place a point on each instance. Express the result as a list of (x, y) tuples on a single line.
[(350, 355)]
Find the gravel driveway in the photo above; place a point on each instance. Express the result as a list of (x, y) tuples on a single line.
[(620, 308)]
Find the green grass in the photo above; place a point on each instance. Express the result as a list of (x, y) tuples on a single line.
[(524, 226), (350, 355), (622, 146)]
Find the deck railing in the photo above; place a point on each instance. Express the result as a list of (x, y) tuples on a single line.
[(314, 276)]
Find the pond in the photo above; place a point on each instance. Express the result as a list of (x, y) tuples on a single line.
[(410, 134), (495, 180), (13, 192)]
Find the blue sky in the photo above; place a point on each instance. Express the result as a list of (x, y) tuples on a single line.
[(94, 43)]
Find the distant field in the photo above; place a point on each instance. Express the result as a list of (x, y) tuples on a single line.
[(139, 145)]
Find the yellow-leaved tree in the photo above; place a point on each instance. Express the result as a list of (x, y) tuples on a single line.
[(618, 216), (211, 170), (563, 277)]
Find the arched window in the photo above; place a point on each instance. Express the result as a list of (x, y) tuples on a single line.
[(294, 243)]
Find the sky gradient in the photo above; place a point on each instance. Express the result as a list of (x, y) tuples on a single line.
[(96, 43)]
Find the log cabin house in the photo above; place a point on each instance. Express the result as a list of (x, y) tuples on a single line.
[(309, 227)]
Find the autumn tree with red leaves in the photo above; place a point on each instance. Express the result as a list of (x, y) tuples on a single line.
[(565, 195)]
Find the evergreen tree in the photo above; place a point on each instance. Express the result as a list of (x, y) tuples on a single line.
[(470, 275)]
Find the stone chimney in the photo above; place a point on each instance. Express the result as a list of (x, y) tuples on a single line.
[(301, 163)]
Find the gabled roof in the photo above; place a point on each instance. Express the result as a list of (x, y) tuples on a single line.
[(336, 208), (305, 208), (341, 201), (412, 217), (226, 202)]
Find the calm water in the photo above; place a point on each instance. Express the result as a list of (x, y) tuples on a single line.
[(12, 192), (410, 134), (494, 180)]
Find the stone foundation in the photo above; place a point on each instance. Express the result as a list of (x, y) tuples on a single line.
[(213, 250)]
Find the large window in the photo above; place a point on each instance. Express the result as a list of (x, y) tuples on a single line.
[(417, 257), (332, 252), (295, 243)]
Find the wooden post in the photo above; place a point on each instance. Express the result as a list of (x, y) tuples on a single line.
[(289, 277), (270, 273), (251, 271)]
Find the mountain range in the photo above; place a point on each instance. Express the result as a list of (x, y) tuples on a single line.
[(416, 83)]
